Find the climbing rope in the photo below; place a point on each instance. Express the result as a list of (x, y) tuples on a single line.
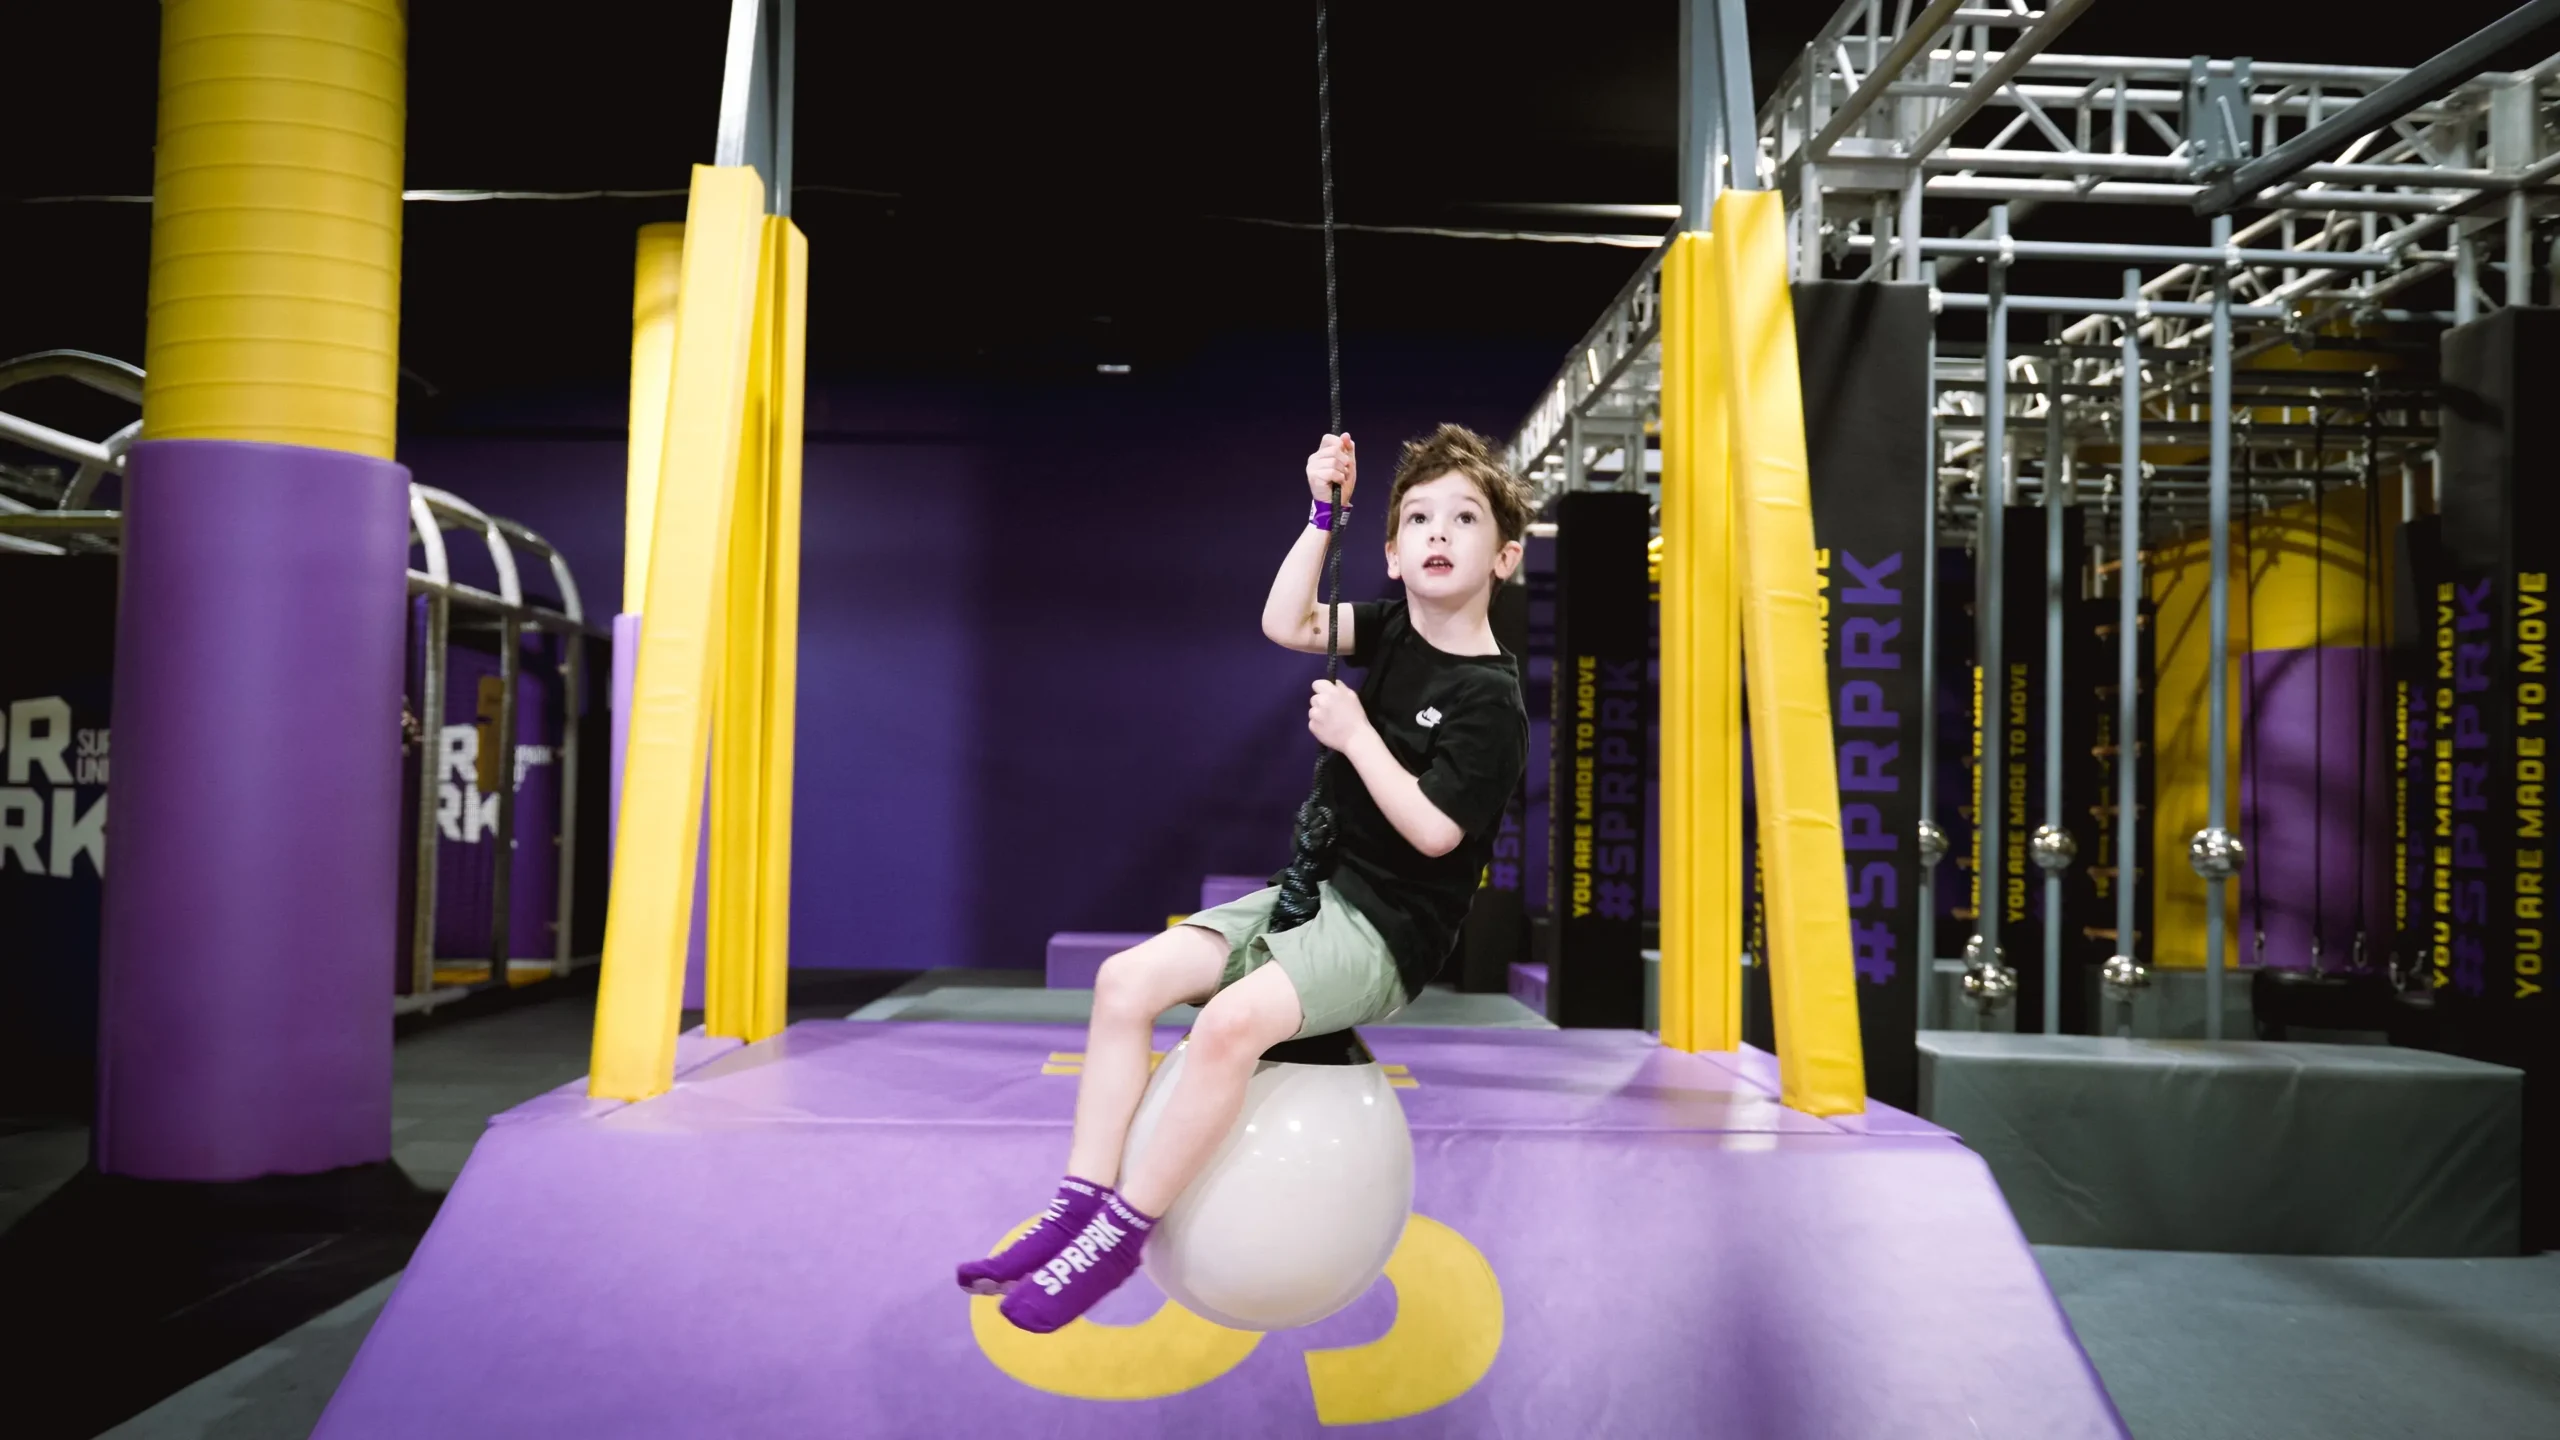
[(1311, 847)]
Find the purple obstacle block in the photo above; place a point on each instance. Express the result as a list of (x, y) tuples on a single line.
[(1076, 955), (1216, 890), (1664, 1242), (1529, 985)]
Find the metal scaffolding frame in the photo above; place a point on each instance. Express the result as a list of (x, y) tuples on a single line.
[(43, 511), (1900, 121)]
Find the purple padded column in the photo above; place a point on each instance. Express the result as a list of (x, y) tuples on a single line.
[(252, 901)]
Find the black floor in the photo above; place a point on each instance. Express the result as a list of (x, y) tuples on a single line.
[(122, 1292)]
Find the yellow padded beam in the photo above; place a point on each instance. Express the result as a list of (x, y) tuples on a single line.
[(1701, 709), (656, 274), (1677, 972), (737, 728), (1813, 986), (650, 908), (788, 255), (747, 971)]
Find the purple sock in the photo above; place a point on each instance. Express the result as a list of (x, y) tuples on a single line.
[(1068, 1211), (1092, 1264)]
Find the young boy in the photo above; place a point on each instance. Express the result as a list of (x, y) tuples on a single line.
[(1425, 768)]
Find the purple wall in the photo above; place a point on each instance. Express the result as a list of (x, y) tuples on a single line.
[(1033, 691), (2317, 746)]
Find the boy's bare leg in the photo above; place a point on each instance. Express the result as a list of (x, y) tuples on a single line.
[(1133, 988), (1245, 1019), (1234, 1029), (1179, 967)]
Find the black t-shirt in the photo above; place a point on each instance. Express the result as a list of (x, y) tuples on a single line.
[(1458, 724)]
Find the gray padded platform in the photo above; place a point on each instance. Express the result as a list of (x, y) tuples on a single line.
[(2237, 1145)]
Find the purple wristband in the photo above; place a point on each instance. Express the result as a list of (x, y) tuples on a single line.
[(1321, 515)]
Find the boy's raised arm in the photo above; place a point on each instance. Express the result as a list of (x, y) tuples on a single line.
[(1293, 615)]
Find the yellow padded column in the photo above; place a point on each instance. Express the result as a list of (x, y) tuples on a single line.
[(1701, 750), (1676, 977), (650, 909), (656, 274), (1813, 986), (275, 230), (788, 254)]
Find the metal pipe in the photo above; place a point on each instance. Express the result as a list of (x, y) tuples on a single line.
[(2421, 83), (1914, 39), (1989, 722), (2466, 281), (2017, 212), (1924, 980), (2057, 18), (2078, 163), (1733, 59), (2171, 167), (502, 875), (2141, 67), (102, 373), (55, 442), (422, 926), (2054, 461), (2219, 631), (2519, 249), (2092, 305), (61, 522), (1907, 232), (2113, 253), (573, 677), (2128, 635), (2150, 192)]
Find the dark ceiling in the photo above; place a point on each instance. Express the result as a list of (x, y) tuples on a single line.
[(1031, 185)]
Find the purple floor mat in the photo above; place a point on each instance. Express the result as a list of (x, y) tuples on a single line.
[(1614, 1240)]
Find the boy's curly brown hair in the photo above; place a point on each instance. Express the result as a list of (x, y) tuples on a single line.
[(1457, 448)]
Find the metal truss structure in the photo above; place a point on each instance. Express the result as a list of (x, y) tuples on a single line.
[(1863, 136), (2327, 208)]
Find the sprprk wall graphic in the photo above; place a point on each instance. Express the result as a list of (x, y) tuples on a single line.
[(56, 674), (1867, 452)]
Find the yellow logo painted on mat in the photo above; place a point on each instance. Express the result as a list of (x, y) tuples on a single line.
[(1447, 1331)]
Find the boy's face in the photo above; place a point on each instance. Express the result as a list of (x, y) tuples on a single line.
[(1447, 548)]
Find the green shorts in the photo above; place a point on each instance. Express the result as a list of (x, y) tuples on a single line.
[(1337, 962)]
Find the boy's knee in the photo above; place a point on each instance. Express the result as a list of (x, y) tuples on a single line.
[(1120, 983), (1233, 1026)]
